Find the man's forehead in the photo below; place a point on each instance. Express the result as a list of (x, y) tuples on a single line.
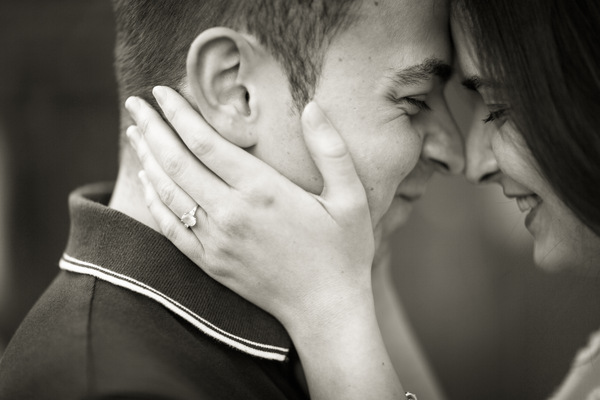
[(405, 17), (411, 9), (419, 27), (385, 42)]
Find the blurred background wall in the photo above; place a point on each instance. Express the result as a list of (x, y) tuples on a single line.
[(4, 185), (59, 118), (492, 325)]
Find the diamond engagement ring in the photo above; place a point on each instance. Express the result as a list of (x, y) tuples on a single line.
[(189, 218)]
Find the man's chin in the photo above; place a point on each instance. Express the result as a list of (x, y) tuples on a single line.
[(396, 215), (392, 220)]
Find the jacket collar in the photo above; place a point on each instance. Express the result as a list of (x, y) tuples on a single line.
[(118, 249)]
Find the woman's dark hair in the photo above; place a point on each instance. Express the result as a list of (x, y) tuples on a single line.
[(546, 56)]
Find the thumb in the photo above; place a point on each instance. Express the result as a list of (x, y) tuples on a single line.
[(331, 156)]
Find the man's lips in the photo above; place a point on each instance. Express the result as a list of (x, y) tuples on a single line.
[(410, 197)]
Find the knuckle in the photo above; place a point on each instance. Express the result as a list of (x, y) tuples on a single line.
[(335, 149), (144, 124), (172, 164), (170, 230), (231, 224), (166, 194), (200, 145), (229, 221), (217, 265), (171, 113), (218, 271), (267, 201), (144, 156), (151, 203), (258, 193), (260, 199)]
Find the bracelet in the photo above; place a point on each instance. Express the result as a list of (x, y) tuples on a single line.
[(410, 396)]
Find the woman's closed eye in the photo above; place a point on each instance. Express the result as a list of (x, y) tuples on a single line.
[(497, 114)]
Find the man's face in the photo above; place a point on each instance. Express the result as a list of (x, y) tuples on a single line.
[(375, 79)]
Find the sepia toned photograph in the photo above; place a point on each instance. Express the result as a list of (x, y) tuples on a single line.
[(299, 199)]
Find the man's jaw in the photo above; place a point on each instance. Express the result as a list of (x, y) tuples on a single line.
[(410, 197), (408, 192), (414, 185), (399, 210)]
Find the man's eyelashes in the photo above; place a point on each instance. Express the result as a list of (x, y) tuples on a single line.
[(420, 105)]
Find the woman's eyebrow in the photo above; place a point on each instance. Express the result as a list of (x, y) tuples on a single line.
[(475, 82)]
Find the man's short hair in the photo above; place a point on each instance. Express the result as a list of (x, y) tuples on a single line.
[(153, 37)]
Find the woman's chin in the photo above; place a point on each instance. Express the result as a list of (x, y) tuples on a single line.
[(552, 251), (553, 258), (562, 242), (561, 254)]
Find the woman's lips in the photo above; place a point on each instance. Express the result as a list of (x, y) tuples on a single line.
[(526, 203), (529, 204)]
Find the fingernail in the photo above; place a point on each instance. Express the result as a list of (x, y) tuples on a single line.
[(132, 104), (134, 135), (142, 177), (159, 93), (314, 117)]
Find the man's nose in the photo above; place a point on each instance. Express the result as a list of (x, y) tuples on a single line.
[(442, 142), (481, 164)]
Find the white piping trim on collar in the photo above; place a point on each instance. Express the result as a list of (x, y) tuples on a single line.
[(72, 264)]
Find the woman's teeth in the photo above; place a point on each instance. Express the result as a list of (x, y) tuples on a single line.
[(527, 203)]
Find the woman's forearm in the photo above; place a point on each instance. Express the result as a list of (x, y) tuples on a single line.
[(345, 357), (402, 344)]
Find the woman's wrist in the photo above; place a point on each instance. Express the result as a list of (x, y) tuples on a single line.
[(339, 352), (328, 311)]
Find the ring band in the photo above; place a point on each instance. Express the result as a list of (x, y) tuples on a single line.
[(189, 218)]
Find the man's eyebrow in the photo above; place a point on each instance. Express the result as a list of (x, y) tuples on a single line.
[(416, 74), (475, 82)]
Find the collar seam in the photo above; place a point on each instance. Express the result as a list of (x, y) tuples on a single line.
[(269, 352)]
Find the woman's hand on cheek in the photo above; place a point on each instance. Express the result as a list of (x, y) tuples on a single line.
[(304, 258)]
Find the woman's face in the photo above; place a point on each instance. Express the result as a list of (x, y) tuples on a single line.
[(496, 152)]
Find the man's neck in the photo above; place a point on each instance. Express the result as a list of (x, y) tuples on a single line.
[(128, 195)]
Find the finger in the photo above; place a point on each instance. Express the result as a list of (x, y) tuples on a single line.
[(167, 191), (174, 159), (331, 156), (231, 163), (170, 226)]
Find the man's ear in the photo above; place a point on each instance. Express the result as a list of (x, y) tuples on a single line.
[(219, 69)]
